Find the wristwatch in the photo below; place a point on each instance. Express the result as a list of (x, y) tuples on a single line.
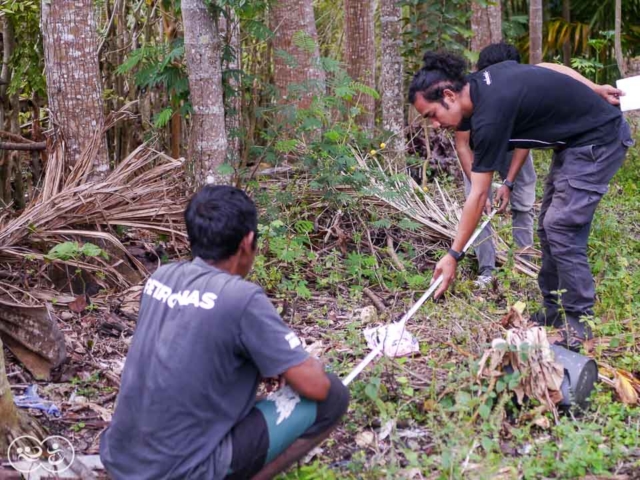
[(508, 184), (456, 255)]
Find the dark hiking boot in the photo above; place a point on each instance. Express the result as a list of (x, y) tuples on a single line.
[(574, 333), (548, 317), (570, 342)]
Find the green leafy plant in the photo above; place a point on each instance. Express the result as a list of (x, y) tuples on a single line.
[(161, 65), (72, 251), (27, 59)]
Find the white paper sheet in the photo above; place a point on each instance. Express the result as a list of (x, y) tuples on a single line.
[(631, 88)]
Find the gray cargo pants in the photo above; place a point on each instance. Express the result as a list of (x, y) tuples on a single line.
[(578, 179), (522, 200)]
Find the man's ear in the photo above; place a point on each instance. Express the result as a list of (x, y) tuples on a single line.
[(449, 95), (247, 242)]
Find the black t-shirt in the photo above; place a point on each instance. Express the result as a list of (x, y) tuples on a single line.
[(525, 106)]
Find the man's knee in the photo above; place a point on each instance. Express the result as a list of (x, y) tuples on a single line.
[(331, 409), (338, 397)]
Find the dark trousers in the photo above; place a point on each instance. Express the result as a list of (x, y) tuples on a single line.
[(578, 179)]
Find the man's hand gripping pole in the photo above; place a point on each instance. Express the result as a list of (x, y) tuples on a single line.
[(376, 351)]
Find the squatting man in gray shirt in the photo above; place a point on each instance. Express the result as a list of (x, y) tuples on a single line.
[(205, 338)]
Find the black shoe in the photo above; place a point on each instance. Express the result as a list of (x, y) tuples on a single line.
[(570, 342), (574, 333), (548, 317)]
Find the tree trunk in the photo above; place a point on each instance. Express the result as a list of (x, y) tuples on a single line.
[(175, 128), (8, 44), (296, 59), (207, 139), (74, 85), (391, 78), (535, 31), (360, 54), (9, 413), (618, 44), (230, 33), (486, 25), (14, 423), (14, 157), (566, 46)]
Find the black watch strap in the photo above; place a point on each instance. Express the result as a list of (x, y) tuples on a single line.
[(457, 255), (508, 184)]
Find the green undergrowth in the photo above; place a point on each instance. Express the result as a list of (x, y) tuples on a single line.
[(428, 415)]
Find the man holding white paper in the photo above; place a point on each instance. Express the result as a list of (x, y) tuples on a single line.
[(631, 88)]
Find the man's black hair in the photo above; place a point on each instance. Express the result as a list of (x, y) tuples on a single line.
[(496, 53), (440, 71), (218, 217)]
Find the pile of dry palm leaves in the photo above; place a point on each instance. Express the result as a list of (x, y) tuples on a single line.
[(145, 191), (431, 206)]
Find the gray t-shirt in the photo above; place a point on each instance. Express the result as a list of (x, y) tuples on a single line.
[(203, 340)]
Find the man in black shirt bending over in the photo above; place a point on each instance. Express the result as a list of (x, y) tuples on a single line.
[(511, 105)]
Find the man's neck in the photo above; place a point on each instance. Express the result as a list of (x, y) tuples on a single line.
[(229, 265), (466, 104)]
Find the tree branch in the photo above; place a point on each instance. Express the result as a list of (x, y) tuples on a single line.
[(15, 137), (23, 146)]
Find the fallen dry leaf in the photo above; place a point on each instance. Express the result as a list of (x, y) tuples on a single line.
[(315, 349), (429, 405), (79, 304), (542, 422), (364, 439), (624, 389), (514, 318), (104, 413)]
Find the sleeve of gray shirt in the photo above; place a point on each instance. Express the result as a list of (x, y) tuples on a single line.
[(273, 347)]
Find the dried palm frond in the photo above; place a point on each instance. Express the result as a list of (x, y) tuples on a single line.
[(438, 212), (144, 191), (400, 191), (625, 383)]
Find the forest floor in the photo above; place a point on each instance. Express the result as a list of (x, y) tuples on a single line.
[(420, 417)]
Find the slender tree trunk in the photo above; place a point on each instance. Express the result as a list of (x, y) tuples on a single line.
[(207, 139), (230, 33), (8, 44), (15, 156), (486, 25), (170, 32), (8, 409), (295, 44), (618, 43), (535, 31), (360, 54), (14, 423), (566, 46), (74, 85), (391, 78)]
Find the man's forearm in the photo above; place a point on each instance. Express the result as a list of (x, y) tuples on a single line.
[(463, 149), (607, 92), (466, 159), (517, 161), (570, 72), (471, 214)]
